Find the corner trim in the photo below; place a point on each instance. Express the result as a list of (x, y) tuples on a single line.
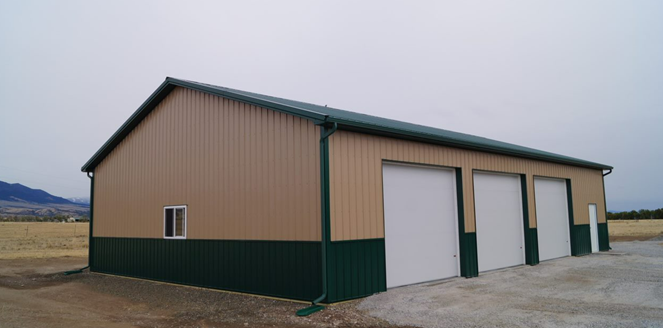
[(467, 241), (531, 237)]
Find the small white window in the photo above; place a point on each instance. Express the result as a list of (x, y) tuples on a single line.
[(174, 222)]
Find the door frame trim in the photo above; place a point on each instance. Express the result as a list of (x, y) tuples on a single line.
[(522, 211), (592, 230), (455, 204), (536, 215)]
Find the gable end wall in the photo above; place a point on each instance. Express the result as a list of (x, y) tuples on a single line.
[(245, 173)]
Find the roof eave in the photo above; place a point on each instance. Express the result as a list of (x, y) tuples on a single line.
[(307, 114), (377, 129), (162, 91), (170, 83)]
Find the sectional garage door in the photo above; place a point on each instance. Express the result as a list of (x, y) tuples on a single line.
[(552, 218), (420, 224), (499, 220)]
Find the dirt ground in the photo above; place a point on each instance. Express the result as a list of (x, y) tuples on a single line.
[(43, 239), (34, 293), (630, 230), (621, 288)]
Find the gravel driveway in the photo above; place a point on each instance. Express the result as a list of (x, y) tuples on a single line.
[(620, 288)]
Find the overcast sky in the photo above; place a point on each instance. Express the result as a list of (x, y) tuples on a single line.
[(579, 78)]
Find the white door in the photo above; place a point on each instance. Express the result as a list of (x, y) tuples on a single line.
[(593, 228), (552, 218), (499, 220), (421, 235)]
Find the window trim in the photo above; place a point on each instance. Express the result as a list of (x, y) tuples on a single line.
[(163, 218)]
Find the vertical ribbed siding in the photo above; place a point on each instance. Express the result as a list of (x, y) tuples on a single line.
[(604, 237), (355, 268), (356, 180), (469, 258), (245, 172), (531, 250), (581, 242), (290, 269), (530, 235), (467, 242)]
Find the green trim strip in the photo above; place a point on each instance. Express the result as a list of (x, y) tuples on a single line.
[(581, 243), (163, 90), (469, 262), (531, 237), (569, 199), (287, 269), (90, 255), (325, 208), (354, 126), (245, 98), (305, 312), (325, 225), (155, 98), (337, 242), (532, 253), (604, 237)]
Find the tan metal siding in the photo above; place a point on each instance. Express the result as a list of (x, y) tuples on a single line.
[(245, 172), (356, 180)]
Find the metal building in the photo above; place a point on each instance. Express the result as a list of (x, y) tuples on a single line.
[(221, 188)]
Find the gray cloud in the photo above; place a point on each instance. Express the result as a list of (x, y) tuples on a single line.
[(577, 78)]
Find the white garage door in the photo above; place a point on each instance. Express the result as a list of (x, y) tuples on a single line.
[(420, 224), (552, 218), (499, 219)]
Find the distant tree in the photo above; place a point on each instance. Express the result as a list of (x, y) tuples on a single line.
[(658, 214), (642, 214)]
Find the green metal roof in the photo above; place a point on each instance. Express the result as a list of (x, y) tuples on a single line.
[(345, 120)]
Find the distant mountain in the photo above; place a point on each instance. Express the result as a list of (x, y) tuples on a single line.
[(17, 199), (16, 192), (79, 200)]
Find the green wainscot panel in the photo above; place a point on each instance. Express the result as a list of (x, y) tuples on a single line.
[(604, 238), (581, 243), (356, 268), (288, 269)]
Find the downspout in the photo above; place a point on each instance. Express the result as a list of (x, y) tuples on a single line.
[(324, 197), (605, 204), (89, 256)]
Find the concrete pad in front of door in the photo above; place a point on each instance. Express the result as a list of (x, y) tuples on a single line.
[(587, 291)]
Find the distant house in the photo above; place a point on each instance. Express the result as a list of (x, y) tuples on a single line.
[(221, 188), (72, 219)]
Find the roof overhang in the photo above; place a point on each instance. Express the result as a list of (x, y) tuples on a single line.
[(419, 137), (163, 90), (319, 118)]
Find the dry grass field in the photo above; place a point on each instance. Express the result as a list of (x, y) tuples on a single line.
[(35, 293), (628, 230), (43, 240)]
